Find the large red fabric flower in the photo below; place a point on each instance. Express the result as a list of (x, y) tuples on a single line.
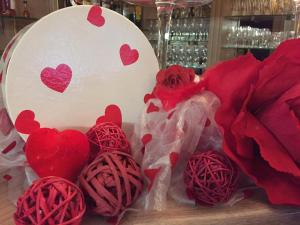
[(260, 118), (174, 85)]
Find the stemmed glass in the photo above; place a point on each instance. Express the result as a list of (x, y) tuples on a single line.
[(164, 14)]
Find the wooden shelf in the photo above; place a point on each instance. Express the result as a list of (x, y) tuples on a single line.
[(254, 211)]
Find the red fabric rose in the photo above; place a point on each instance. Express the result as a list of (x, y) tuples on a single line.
[(259, 117), (174, 85)]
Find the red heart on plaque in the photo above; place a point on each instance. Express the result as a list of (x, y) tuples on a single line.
[(112, 114), (25, 122), (95, 16), (128, 55), (57, 79), (53, 153)]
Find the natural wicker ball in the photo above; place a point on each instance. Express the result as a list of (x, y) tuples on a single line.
[(111, 183), (210, 178), (50, 200), (107, 137)]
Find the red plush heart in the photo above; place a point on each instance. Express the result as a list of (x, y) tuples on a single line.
[(53, 153), (128, 55), (25, 122), (112, 114), (57, 79), (95, 17)]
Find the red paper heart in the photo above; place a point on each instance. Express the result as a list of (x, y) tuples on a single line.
[(53, 153), (10, 147), (147, 97), (152, 108), (112, 114), (25, 122), (128, 55), (95, 16), (174, 156), (57, 79), (5, 123), (151, 175), (146, 138)]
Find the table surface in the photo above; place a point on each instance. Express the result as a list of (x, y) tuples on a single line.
[(254, 211)]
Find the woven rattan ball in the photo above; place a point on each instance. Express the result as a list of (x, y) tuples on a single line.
[(107, 137), (111, 183), (210, 178), (50, 200)]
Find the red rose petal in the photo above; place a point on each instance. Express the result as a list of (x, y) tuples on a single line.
[(9, 147), (151, 175), (282, 122), (7, 177), (174, 156), (152, 108)]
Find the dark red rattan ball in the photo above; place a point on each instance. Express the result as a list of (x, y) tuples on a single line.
[(111, 183), (50, 200), (107, 137), (210, 178)]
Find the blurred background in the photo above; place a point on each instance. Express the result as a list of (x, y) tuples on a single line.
[(199, 36)]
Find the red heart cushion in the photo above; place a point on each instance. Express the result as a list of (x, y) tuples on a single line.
[(53, 153)]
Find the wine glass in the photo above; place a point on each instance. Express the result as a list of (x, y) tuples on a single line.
[(164, 14)]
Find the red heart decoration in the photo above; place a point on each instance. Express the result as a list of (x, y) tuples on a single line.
[(53, 153), (174, 156), (10, 147), (152, 108), (57, 79), (5, 123), (128, 55), (146, 138), (95, 16), (25, 122), (151, 175), (112, 114)]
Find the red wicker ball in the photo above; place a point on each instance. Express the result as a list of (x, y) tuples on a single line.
[(111, 183), (50, 200), (210, 178), (107, 137)]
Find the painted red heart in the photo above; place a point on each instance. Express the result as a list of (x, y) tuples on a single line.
[(25, 122), (53, 153), (5, 123), (112, 114), (152, 108), (128, 55), (95, 16), (57, 79), (151, 175)]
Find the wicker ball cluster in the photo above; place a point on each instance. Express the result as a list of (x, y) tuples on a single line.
[(107, 137), (111, 183), (50, 200), (210, 178)]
